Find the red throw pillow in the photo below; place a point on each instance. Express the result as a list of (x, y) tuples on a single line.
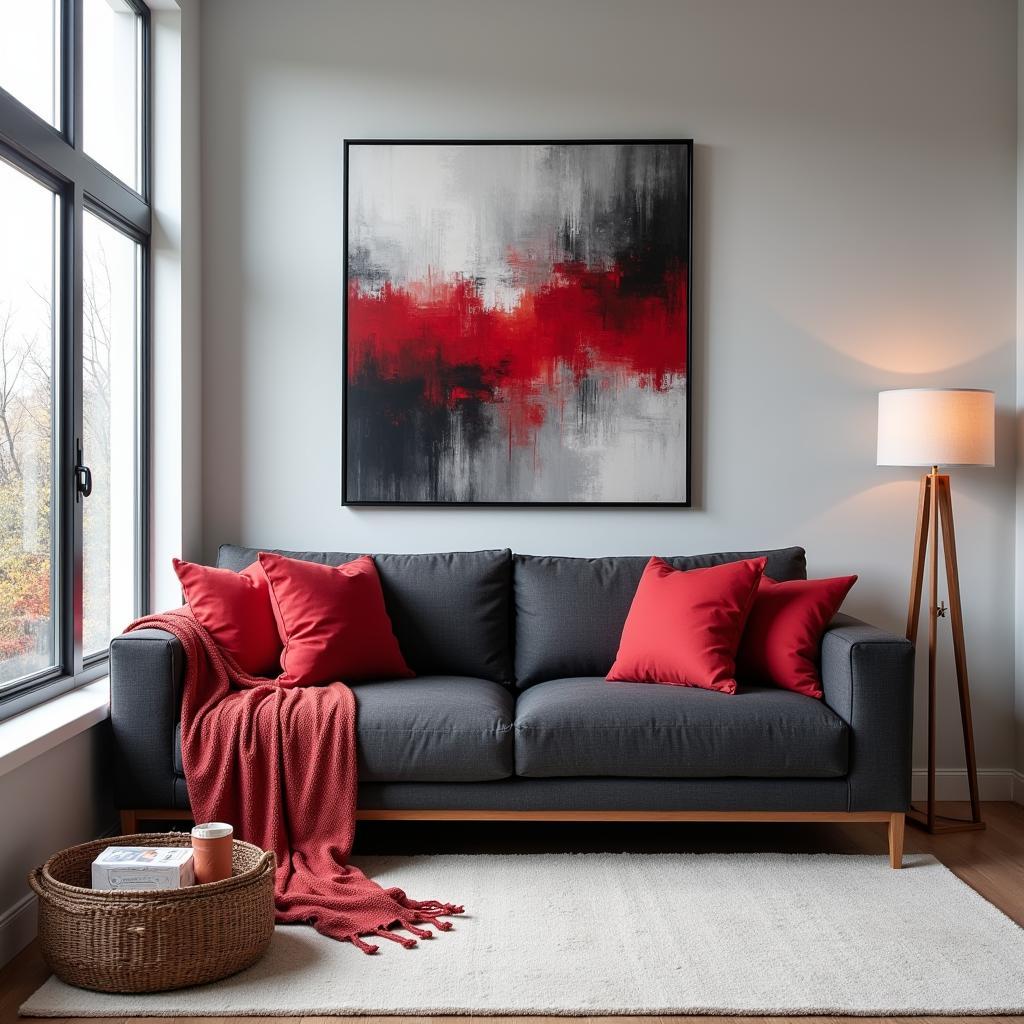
[(782, 641), (333, 622), (235, 608), (683, 627)]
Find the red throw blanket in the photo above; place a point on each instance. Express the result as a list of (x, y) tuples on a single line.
[(280, 765)]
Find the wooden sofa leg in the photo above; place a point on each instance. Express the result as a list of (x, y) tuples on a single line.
[(896, 826), (129, 823)]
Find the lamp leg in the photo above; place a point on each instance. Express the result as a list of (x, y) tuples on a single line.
[(920, 548), (923, 540), (959, 647), (933, 625)]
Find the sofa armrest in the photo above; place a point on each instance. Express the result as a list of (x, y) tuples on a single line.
[(868, 678), (147, 670)]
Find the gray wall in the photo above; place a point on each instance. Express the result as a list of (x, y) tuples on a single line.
[(57, 799), (855, 204)]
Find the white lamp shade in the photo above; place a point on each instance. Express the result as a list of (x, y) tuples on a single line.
[(936, 427)]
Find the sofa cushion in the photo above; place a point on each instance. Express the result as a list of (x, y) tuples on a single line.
[(451, 612), (570, 611), (587, 726), (429, 729), (434, 729)]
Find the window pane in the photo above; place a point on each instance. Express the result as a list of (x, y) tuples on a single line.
[(29, 44), (110, 332), (28, 212), (111, 36)]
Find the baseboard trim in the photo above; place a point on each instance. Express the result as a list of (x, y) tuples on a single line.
[(1018, 787), (17, 927), (951, 784)]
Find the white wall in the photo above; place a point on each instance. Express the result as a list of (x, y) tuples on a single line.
[(176, 408), (855, 198)]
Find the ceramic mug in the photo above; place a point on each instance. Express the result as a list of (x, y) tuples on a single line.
[(212, 845)]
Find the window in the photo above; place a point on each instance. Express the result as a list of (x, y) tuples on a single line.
[(28, 250), (112, 33), (110, 331), (74, 258), (29, 54)]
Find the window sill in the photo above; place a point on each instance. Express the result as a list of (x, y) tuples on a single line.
[(46, 726)]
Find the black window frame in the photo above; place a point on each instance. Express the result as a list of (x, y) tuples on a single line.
[(55, 157)]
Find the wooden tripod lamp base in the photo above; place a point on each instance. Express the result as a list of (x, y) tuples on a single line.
[(933, 427), (935, 514)]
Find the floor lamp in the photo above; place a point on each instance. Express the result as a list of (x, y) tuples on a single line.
[(939, 427)]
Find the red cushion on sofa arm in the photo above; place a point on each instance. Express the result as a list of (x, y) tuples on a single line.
[(781, 643)]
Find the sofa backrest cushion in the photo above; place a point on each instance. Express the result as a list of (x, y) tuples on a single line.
[(451, 611), (570, 611)]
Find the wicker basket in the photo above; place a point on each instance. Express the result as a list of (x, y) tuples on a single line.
[(158, 940)]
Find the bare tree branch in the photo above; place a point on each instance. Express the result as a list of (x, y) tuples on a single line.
[(12, 363)]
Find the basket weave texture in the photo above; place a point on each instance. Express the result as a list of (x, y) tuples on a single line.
[(157, 940)]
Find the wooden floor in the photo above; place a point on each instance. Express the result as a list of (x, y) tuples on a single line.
[(991, 861)]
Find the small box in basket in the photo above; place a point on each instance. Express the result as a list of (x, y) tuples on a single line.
[(143, 867)]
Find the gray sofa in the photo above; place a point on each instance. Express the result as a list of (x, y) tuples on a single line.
[(510, 715)]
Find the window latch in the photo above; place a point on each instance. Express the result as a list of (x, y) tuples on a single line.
[(83, 475)]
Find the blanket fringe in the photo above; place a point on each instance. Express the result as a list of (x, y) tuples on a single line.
[(425, 913), (428, 906), (386, 933), (364, 946)]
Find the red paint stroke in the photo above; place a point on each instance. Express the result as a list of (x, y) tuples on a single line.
[(582, 322)]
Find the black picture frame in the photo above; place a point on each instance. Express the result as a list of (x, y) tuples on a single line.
[(347, 500)]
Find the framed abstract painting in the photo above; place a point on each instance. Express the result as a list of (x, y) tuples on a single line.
[(517, 323)]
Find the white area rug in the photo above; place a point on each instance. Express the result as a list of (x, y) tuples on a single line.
[(637, 934)]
